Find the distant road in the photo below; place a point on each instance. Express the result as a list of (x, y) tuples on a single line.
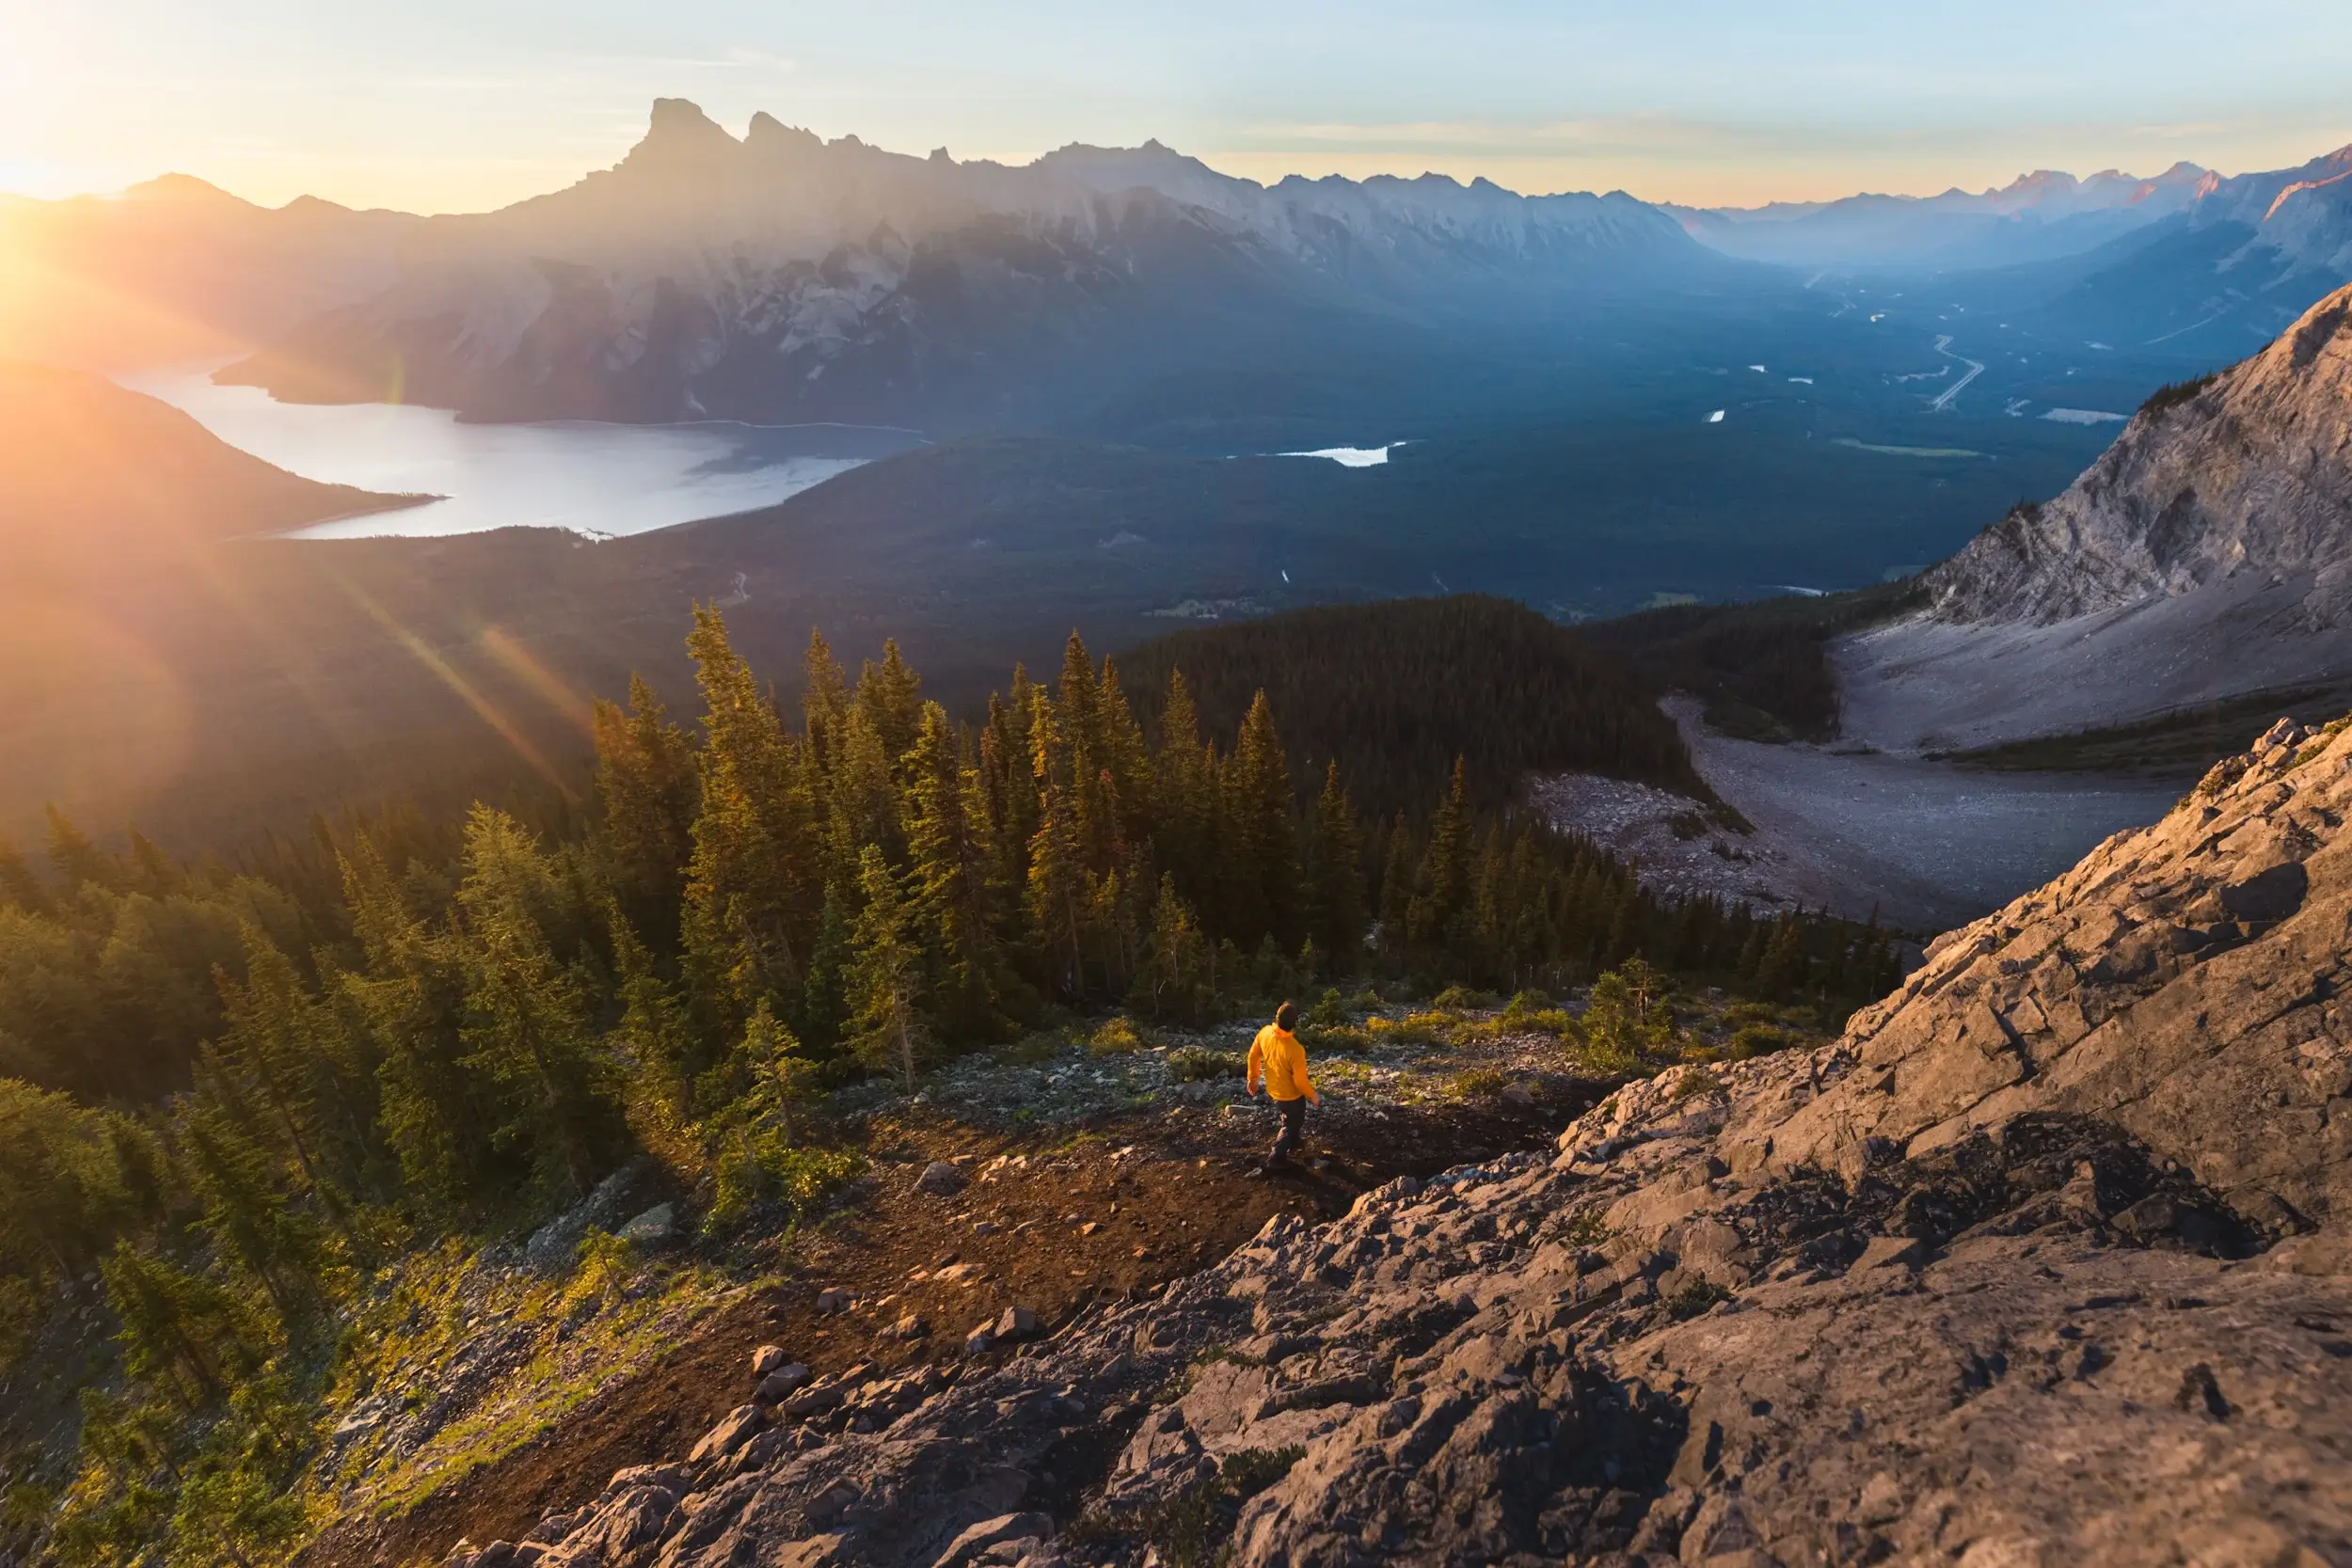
[(1975, 368)]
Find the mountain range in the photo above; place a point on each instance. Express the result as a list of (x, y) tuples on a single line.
[(2037, 216), (782, 277)]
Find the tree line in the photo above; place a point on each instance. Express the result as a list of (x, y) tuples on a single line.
[(404, 1028)]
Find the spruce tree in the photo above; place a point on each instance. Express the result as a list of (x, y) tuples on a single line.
[(20, 885), (890, 695), (646, 782), (824, 701), (78, 861), (526, 1018), (1263, 850), (884, 981), (1335, 877), (655, 1038), (950, 875), (754, 886), (1439, 913), (181, 1335)]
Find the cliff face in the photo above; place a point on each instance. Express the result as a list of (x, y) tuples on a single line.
[(2048, 1261), (2251, 477)]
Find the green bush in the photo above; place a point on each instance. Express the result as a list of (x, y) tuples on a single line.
[(1695, 1297), (1116, 1036), (1458, 998), (1346, 1039), (1757, 1039), (1194, 1065)]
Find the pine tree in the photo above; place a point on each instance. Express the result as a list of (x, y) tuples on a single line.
[(1438, 915), (1177, 981), (890, 695), (655, 1038), (410, 998), (781, 1070), (150, 870), (1264, 843), (755, 888), (950, 873), (1396, 888), (884, 976), (181, 1335), (647, 783), (1335, 877), (865, 797), (824, 701), (526, 1018), (20, 885), (1184, 804), (77, 860), (246, 1216), (1124, 761)]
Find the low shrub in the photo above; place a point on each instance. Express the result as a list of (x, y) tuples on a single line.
[(1757, 1039), (1478, 1083), (1116, 1036), (1192, 1064), (1458, 998), (1695, 1297)]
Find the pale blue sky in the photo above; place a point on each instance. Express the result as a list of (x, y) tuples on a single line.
[(457, 104)]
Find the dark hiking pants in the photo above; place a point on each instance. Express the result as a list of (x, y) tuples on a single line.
[(1294, 1122)]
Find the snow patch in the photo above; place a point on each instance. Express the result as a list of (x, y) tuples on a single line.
[(1348, 457), (1716, 418)]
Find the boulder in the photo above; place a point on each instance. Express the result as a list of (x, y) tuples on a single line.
[(782, 1384), (940, 1178), (737, 1428), (654, 1228), (766, 1359), (1016, 1323), (831, 1300)]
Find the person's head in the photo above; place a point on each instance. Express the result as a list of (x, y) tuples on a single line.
[(1286, 1017)]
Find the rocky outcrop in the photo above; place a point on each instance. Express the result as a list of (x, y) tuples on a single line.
[(2249, 477), (2044, 1261), (2206, 555)]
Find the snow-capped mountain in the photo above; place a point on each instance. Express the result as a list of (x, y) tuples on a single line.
[(782, 277)]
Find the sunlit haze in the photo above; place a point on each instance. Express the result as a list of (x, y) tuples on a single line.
[(464, 104)]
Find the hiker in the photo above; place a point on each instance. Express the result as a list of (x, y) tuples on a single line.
[(1277, 1058)]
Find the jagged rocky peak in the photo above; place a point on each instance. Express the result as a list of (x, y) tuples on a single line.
[(2048, 1261), (2247, 478)]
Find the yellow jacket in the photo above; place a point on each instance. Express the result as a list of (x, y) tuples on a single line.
[(1277, 1058)]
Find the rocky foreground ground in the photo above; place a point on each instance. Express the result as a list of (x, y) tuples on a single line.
[(2048, 1259)]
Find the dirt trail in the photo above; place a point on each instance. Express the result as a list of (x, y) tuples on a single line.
[(1081, 1218)]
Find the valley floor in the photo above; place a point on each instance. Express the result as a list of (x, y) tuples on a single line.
[(1925, 844)]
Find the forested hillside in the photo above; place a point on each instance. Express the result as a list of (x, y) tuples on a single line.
[(1395, 692), (404, 1030)]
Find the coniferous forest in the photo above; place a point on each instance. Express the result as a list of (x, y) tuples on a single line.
[(234, 1088)]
